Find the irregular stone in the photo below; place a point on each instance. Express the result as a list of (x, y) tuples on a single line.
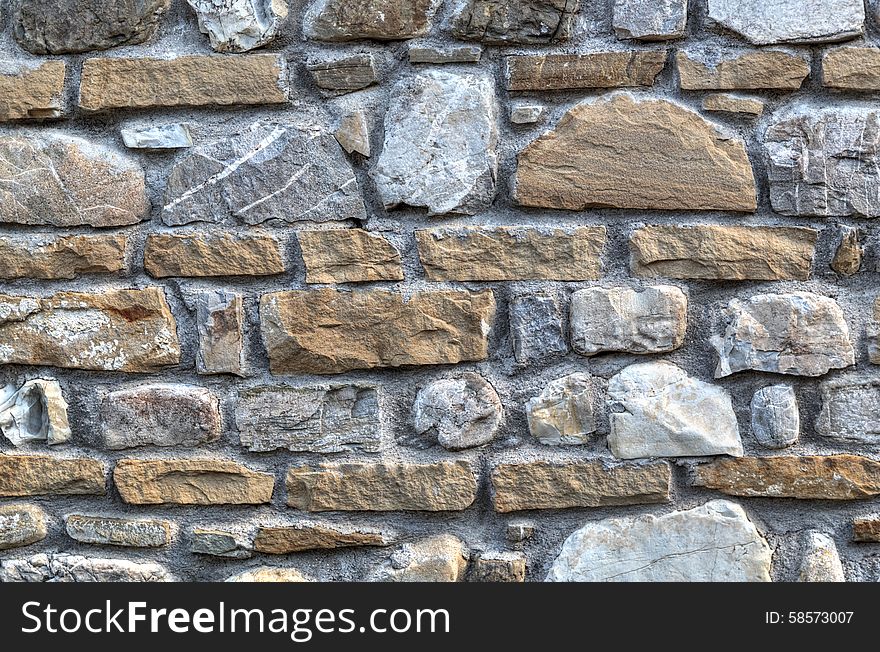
[(240, 25), (58, 567), (42, 475), (161, 414), (850, 410), (723, 253), (623, 153), (823, 162), (764, 22), (528, 22), (499, 567), (348, 256), (60, 257), (527, 114), (660, 411), (191, 482), (54, 180), (807, 477), (562, 414), (647, 320), (329, 332), (650, 21), (866, 529), (776, 421), (873, 334), (519, 532), (848, 256), (220, 324), (345, 75), (821, 563), (106, 531), (353, 133), (462, 412), (21, 525), (168, 136), (855, 69), (215, 254), (725, 103), (36, 411), (219, 543), (442, 558), (291, 173), (423, 53), (715, 542), (741, 70), (316, 418), (537, 328), (31, 91), (582, 483), (382, 20), (382, 487), (505, 253), (800, 333), (269, 574), (304, 536), (82, 25), (557, 72), (441, 135), (189, 80)]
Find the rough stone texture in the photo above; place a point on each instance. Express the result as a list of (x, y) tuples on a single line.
[(382, 20), (441, 558), (499, 567), (220, 324), (31, 91), (303, 536), (329, 332), (715, 542), (648, 320), (269, 574), (353, 133), (346, 75), (742, 70), (240, 25), (162, 137), (866, 529), (726, 103), (800, 333), (724, 253), (850, 410), (65, 257), (458, 413), (266, 172), (441, 134), (764, 22), (537, 328), (107, 531), (316, 418), (36, 411), (21, 525), (856, 69), (220, 543), (776, 421), (873, 333), (660, 20), (557, 72), (646, 154), (562, 414), (348, 256), (382, 486), (527, 114), (821, 562), (215, 254), (848, 256), (660, 411), (55, 567), (427, 53), (511, 253), (589, 483), (526, 22), (42, 475), (82, 25), (191, 482)]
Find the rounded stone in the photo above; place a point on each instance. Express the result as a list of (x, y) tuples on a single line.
[(461, 412)]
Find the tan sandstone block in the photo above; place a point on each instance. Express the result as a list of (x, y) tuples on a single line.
[(36, 475), (31, 91), (216, 254)]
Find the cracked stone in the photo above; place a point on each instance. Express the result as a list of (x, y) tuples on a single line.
[(220, 543), (772, 69), (443, 558), (821, 562), (660, 20), (537, 328), (850, 410), (556, 72), (848, 256), (57, 567), (21, 525), (346, 75), (220, 324), (36, 411), (30, 91), (562, 414), (463, 412), (307, 535), (348, 256), (106, 531), (382, 20), (170, 136), (764, 22), (526, 22), (353, 133), (776, 421), (240, 25)]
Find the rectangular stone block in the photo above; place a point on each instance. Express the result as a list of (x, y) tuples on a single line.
[(555, 72), (866, 529), (215, 254), (107, 531), (300, 537), (757, 69), (37, 475), (52, 257), (348, 256), (220, 323), (852, 68), (31, 91)]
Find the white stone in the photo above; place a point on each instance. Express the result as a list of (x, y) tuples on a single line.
[(240, 25), (764, 22), (438, 559), (821, 562), (461, 412), (269, 574), (562, 413), (527, 114), (653, 20), (75, 568), (776, 420), (36, 411), (170, 136)]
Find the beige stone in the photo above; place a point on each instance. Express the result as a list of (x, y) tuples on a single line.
[(21, 525), (848, 256), (852, 68), (353, 133), (269, 574), (866, 529), (36, 475), (348, 256), (220, 323), (499, 567), (299, 537), (60, 257), (756, 69), (726, 103), (553, 72), (215, 254), (31, 91), (441, 558)]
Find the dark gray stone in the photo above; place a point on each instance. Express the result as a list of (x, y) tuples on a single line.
[(530, 22), (537, 328), (345, 75)]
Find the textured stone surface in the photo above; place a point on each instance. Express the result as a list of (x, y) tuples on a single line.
[(850, 410), (353, 133), (624, 153), (220, 325), (741, 70), (441, 134), (647, 320), (31, 91), (348, 256), (120, 330), (724, 253), (799, 333), (316, 418), (36, 411), (240, 25), (38, 475), (382, 486), (660, 20), (660, 411), (873, 333), (57, 567), (499, 567), (21, 525), (228, 544), (269, 574), (427, 53), (848, 255), (557, 72), (526, 114), (306, 535), (850, 68), (83, 25), (215, 254), (345, 75), (511, 253), (161, 137), (64, 181), (191, 482), (329, 332), (866, 529), (537, 328), (562, 414), (733, 104), (821, 562), (61, 257), (458, 413), (291, 173), (382, 20), (715, 542), (527, 22), (107, 531), (776, 421), (764, 22), (588, 483), (442, 558)]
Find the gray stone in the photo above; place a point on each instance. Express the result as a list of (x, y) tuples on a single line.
[(462, 412), (69, 26), (36, 411), (825, 163), (537, 328), (317, 418), (383, 20), (160, 415), (106, 531), (441, 558), (527, 114), (240, 25), (660, 411), (220, 321), (650, 320), (345, 75), (764, 22), (291, 173), (353, 133), (715, 542), (776, 421), (441, 135), (562, 413), (848, 255), (57, 567), (220, 543), (800, 333), (170, 136), (850, 410), (21, 525), (821, 562), (659, 20), (422, 53), (530, 22)]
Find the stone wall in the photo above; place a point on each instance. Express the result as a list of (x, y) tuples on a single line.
[(423, 289)]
